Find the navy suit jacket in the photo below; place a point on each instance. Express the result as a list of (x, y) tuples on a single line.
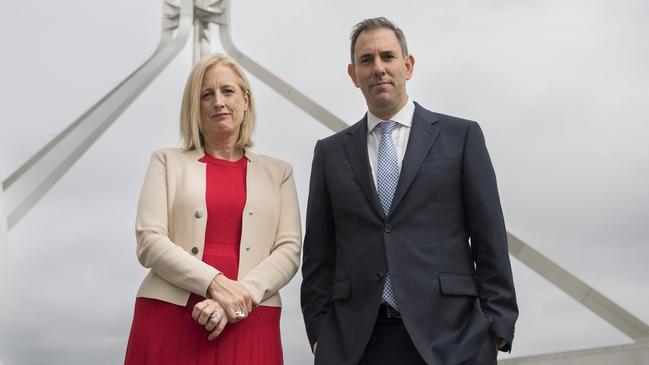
[(443, 240)]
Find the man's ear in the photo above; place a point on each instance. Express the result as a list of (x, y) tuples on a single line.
[(410, 66), (351, 70)]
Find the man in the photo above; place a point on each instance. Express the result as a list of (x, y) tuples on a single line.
[(405, 253)]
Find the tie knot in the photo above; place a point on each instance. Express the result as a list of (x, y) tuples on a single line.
[(388, 126)]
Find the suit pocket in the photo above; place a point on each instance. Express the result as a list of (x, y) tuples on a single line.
[(442, 162), (341, 290), (456, 284)]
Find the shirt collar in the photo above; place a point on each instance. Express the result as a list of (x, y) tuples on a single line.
[(403, 116)]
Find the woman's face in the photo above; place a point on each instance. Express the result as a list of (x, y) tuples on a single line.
[(223, 103)]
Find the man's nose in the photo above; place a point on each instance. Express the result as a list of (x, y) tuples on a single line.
[(379, 68)]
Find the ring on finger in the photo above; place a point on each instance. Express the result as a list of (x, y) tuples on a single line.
[(240, 314), (215, 316)]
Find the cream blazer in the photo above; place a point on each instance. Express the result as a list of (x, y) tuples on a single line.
[(171, 221)]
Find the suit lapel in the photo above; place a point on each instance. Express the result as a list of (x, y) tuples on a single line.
[(422, 137), (356, 150)]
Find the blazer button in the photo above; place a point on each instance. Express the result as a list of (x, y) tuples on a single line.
[(378, 276), (195, 250), (198, 214), (251, 212), (247, 248), (387, 228)]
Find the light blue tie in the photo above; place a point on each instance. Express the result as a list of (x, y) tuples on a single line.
[(387, 176)]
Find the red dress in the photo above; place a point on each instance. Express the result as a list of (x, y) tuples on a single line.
[(164, 333)]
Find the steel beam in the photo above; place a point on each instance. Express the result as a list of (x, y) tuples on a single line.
[(570, 284), (27, 185), (206, 13), (292, 94), (3, 256)]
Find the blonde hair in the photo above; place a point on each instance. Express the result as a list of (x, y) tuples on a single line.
[(191, 127)]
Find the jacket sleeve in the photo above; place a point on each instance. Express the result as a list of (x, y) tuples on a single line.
[(276, 270), (484, 219), (155, 250), (318, 261)]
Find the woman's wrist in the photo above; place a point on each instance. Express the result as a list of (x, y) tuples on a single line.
[(213, 286)]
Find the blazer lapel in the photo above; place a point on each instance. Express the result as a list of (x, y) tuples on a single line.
[(356, 150), (422, 137)]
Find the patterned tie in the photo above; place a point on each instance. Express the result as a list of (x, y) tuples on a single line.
[(387, 176)]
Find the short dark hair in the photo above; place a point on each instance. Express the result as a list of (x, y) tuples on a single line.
[(376, 23)]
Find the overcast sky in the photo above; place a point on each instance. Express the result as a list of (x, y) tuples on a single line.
[(560, 89)]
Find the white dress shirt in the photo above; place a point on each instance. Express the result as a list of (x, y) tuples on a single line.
[(400, 135)]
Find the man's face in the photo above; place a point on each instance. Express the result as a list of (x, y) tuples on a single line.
[(381, 71)]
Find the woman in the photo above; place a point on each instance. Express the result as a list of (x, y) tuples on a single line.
[(214, 221)]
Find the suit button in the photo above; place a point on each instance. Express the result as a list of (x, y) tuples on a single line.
[(248, 248), (198, 214), (387, 228), (378, 276), (194, 250), (251, 212)]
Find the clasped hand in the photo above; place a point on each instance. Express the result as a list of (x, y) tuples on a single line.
[(229, 302)]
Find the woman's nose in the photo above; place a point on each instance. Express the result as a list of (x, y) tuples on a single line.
[(218, 100)]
